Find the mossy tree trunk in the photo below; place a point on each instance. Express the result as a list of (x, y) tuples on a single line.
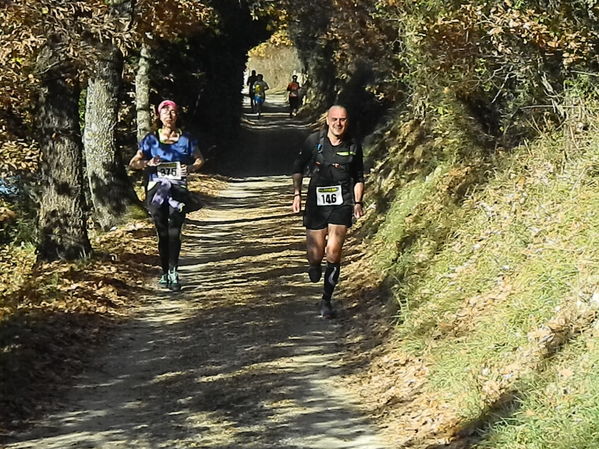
[(61, 221), (142, 93), (111, 192)]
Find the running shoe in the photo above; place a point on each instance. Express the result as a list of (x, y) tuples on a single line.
[(173, 278), (164, 281), (315, 272), (326, 309)]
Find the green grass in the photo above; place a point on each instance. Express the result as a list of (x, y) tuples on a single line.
[(514, 255), (394, 229), (559, 409)]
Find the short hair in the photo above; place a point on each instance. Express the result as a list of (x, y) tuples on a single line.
[(338, 106)]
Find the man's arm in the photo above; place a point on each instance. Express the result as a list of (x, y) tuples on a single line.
[(358, 176), (297, 192), (297, 183), (299, 165), (358, 197)]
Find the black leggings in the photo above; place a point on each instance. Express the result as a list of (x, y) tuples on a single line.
[(169, 222)]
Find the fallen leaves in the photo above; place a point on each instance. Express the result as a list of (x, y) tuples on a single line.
[(52, 315)]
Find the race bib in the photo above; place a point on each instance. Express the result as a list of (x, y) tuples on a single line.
[(169, 170), (329, 196)]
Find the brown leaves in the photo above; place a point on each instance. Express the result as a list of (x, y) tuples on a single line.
[(53, 314), (76, 26), (18, 157), (500, 31), (6, 214), (170, 18)]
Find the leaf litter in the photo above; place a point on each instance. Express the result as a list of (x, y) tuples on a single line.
[(54, 315)]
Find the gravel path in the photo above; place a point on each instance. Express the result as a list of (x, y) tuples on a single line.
[(239, 358)]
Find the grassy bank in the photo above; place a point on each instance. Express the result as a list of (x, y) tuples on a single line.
[(496, 297)]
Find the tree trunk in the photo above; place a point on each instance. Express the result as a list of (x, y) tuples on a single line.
[(62, 223), (111, 192), (142, 93)]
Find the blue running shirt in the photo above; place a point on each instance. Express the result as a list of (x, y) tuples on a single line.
[(180, 151)]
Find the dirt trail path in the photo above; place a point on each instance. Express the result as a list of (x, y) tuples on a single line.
[(238, 359)]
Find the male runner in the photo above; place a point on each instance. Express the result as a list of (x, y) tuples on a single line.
[(334, 196), (250, 83), (294, 96), (260, 88)]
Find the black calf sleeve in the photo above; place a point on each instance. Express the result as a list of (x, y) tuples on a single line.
[(331, 276), (175, 224), (168, 223)]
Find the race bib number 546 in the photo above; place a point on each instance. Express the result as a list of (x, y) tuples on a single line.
[(169, 170), (329, 196)]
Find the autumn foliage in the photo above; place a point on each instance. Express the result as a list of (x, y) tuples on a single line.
[(438, 80), (506, 59)]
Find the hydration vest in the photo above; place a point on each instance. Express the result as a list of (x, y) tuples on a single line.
[(332, 165)]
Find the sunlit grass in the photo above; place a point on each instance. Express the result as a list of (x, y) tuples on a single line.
[(559, 409), (522, 252)]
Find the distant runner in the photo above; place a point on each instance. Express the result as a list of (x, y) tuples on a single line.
[(294, 95), (250, 83), (260, 88), (334, 197), (169, 155)]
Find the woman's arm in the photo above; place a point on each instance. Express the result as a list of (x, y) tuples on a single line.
[(197, 163), (138, 162)]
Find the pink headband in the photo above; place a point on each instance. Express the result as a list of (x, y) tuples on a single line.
[(170, 103)]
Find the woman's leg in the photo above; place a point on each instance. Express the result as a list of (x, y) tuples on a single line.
[(160, 217), (175, 225)]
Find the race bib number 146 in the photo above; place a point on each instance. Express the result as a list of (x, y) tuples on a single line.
[(329, 196)]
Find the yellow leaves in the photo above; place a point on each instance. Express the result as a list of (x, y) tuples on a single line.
[(171, 18), (496, 30), (17, 156), (278, 39), (505, 32)]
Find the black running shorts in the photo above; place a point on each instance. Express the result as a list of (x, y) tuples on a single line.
[(318, 217)]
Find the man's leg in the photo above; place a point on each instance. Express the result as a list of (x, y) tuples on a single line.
[(316, 240), (335, 239)]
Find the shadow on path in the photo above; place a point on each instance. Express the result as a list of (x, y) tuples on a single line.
[(238, 359), (269, 144)]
